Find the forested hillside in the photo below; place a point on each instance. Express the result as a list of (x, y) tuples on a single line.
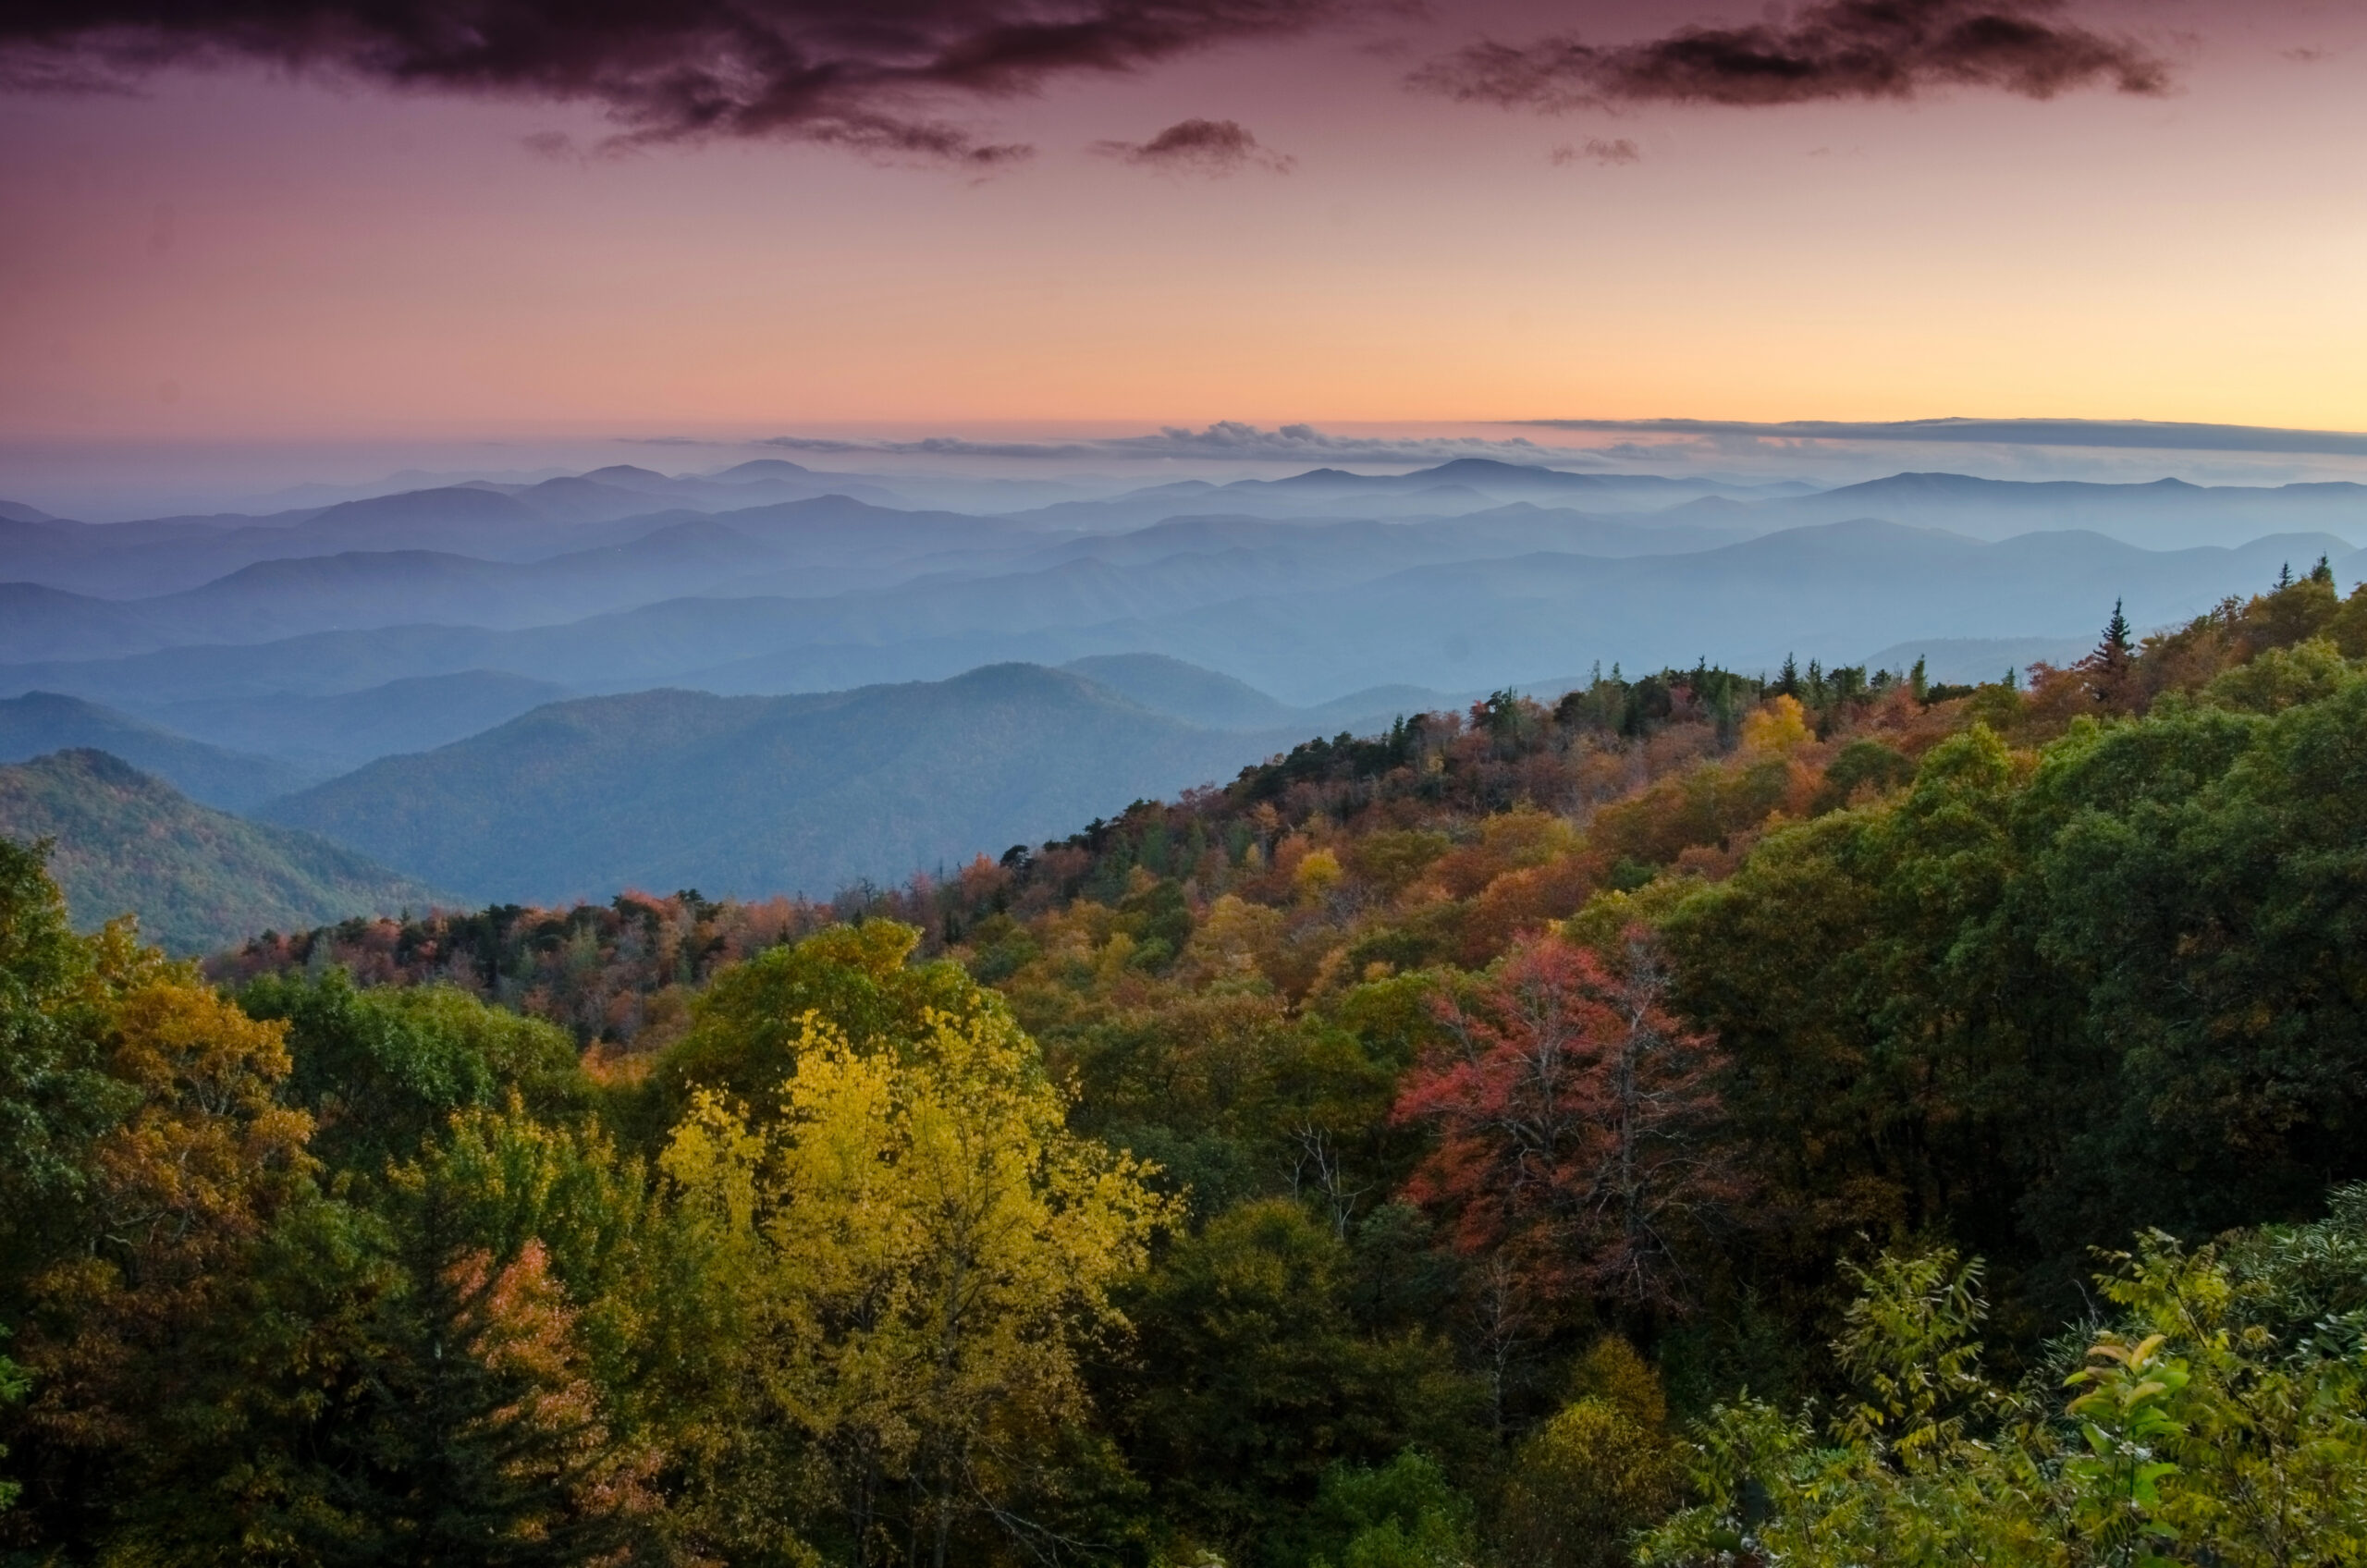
[(124, 842), (1828, 1120), (755, 794)]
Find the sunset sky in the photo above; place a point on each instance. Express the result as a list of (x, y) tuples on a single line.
[(228, 250)]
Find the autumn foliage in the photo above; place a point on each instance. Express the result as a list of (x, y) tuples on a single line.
[(1672, 1125), (1578, 1130)]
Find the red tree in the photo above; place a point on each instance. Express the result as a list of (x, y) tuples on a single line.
[(1578, 1124)]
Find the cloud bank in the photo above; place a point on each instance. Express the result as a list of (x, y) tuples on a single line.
[(1863, 49), (2135, 435), (1197, 146), (851, 73), (1597, 150), (1224, 439)]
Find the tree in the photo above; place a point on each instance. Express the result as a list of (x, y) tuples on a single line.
[(924, 1252), (1600, 1470), (1578, 1124), (2193, 878), (181, 1190), (746, 1027), (56, 1094), (382, 1069), (1404, 1514), (1253, 1378), (524, 1468), (128, 1336), (2220, 1417), (2108, 667), (1883, 1012), (1776, 729)]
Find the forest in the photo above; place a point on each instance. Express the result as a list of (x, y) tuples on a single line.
[(1829, 1118)]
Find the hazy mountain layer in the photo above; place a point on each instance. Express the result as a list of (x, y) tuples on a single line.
[(1832, 590), (42, 722), (2166, 515), (329, 735), (317, 634), (757, 795)]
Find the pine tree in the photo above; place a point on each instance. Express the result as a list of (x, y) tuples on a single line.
[(1789, 683), (2116, 647), (2107, 668)]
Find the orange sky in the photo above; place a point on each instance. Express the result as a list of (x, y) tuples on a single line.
[(234, 257)]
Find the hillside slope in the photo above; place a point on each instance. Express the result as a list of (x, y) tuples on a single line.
[(199, 879), (326, 736), (754, 795)]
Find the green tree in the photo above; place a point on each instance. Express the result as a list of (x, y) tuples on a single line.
[(1403, 1514), (1600, 1470), (56, 1098), (1253, 1376), (747, 1026), (381, 1070)]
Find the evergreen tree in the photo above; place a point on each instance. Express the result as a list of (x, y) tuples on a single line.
[(2108, 667), (2116, 641)]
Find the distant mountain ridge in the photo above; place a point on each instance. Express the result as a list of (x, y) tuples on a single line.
[(2165, 514), (322, 736), (42, 722), (1303, 639), (767, 578), (757, 795)]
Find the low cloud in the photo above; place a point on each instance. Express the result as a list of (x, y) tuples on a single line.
[(1197, 146), (847, 73), (1595, 150), (2130, 434), (1841, 49), (1229, 439)]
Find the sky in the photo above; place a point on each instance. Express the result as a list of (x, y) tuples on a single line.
[(1270, 212)]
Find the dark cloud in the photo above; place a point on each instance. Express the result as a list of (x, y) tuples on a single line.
[(1595, 150), (869, 75), (2130, 434), (1893, 49), (1213, 147)]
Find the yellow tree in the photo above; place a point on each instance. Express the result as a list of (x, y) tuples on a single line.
[(926, 1249), (181, 1192)]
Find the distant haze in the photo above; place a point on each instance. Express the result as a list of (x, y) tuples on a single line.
[(779, 674)]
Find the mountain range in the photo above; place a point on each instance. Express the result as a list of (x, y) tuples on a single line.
[(769, 678), (1303, 621), (667, 789), (42, 722)]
